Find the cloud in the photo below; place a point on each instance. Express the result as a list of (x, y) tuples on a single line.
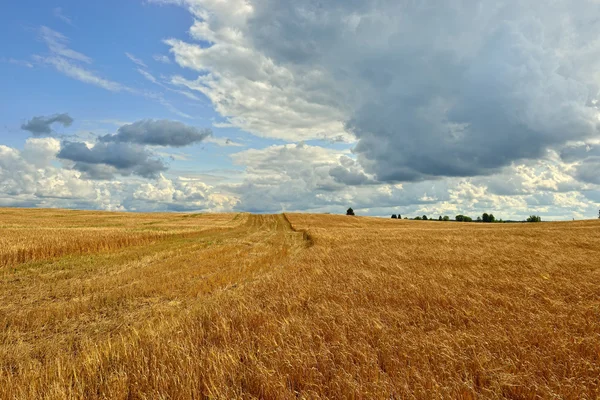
[(183, 195), (152, 79), (41, 125), (22, 63), (103, 160), (147, 75), (135, 60), (158, 133), (428, 90), (58, 13), (81, 74), (223, 142), (586, 161), (29, 178), (57, 44), (65, 60), (161, 58)]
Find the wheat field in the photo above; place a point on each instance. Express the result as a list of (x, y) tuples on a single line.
[(97, 305)]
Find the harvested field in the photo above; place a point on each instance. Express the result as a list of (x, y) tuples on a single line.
[(184, 306)]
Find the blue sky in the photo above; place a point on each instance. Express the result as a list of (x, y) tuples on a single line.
[(388, 107)]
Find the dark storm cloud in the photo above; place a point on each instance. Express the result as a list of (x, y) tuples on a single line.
[(446, 88), (587, 160), (124, 158), (41, 125), (158, 133)]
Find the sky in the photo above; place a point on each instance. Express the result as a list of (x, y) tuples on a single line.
[(386, 106)]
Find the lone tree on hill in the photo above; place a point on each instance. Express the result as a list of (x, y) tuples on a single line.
[(394, 216), (350, 211)]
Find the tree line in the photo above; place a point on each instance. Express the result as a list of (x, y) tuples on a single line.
[(484, 218)]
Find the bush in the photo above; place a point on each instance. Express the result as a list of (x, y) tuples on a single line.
[(463, 218), (350, 211)]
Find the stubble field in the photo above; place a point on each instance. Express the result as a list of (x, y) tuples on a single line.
[(187, 306)]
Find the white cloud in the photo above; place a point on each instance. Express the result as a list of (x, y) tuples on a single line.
[(81, 74), (161, 58), (57, 44), (147, 75), (31, 178), (58, 13), (135, 60)]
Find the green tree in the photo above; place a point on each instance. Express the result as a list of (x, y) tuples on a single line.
[(350, 211), (418, 218), (485, 217), (492, 218), (534, 218), (424, 217), (440, 218), (394, 216), (446, 218)]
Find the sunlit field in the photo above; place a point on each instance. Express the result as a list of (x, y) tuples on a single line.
[(187, 306)]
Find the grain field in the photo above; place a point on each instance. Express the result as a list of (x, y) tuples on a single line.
[(100, 305)]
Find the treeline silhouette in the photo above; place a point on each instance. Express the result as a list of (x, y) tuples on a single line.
[(484, 218)]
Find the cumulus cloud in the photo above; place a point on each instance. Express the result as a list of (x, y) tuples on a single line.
[(427, 89), (29, 178), (41, 125), (158, 133), (102, 159)]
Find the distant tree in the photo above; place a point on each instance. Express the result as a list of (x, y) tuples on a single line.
[(418, 218), (350, 211), (424, 217), (440, 218), (492, 218), (446, 218), (399, 216), (467, 219), (394, 216), (485, 217), (534, 218), (479, 218), (459, 218)]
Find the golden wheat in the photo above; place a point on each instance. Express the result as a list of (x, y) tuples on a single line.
[(243, 306)]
